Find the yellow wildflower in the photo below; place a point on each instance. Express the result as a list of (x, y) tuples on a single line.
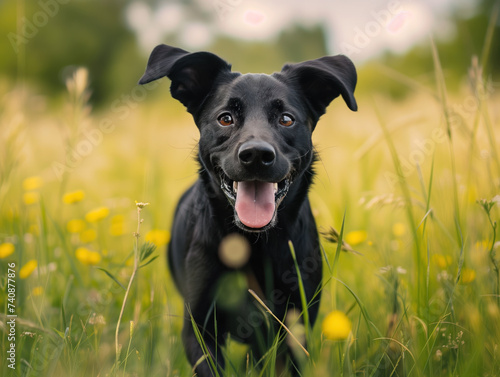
[(30, 198), (158, 237), (73, 197), (94, 258), (76, 226), (356, 237), (32, 183), (468, 275), (442, 261), (336, 326), (37, 291), (6, 249), (88, 235), (87, 257), (97, 214), (28, 269), (398, 229)]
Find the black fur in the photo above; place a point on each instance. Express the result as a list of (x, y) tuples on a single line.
[(258, 146)]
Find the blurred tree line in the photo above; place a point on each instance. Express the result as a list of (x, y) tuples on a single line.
[(455, 54), (59, 35)]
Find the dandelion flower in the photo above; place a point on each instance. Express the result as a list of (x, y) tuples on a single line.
[(87, 257), (73, 197), (158, 237), (468, 275), (30, 198), (97, 214), (32, 183), (356, 237), (88, 235), (336, 326), (28, 269), (76, 226), (6, 249)]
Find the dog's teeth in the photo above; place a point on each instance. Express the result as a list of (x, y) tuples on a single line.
[(235, 186), (275, 186)]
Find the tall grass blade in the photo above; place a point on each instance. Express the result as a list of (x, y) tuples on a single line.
[(339, 244), (110, 275), (441, 84), (408, 206), (206, 354), (370, 324), (303, 297), (278, 320)]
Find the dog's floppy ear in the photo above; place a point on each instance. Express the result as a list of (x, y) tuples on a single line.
[(324, 79), (192, 74)]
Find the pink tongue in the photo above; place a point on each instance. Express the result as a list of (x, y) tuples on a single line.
[(255, 203)]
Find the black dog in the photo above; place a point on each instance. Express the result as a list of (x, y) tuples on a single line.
[(256, 166)]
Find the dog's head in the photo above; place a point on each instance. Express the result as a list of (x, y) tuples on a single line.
[(255, 129)]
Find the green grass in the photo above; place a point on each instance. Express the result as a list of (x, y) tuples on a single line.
[(421, 288)]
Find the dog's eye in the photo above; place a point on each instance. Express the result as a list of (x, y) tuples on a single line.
[(286, 120), (225, 120)]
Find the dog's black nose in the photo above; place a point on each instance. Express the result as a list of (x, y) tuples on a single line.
[(256, 153)]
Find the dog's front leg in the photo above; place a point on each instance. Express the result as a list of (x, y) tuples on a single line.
[(195, 351), (202, 270)]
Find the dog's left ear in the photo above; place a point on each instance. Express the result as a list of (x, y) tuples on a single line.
[(324, 79), (192, 74)]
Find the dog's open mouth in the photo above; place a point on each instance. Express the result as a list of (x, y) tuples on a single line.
[(255, 202)]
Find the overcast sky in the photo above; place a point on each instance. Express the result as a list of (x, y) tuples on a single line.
[(360, 29)]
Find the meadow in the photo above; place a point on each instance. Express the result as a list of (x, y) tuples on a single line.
[(411, 185)]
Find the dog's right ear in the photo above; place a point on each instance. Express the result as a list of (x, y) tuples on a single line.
[(192, 74)]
